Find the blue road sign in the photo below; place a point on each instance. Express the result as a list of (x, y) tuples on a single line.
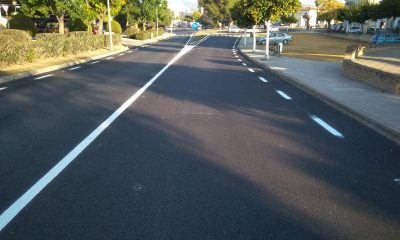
[(195, 25)]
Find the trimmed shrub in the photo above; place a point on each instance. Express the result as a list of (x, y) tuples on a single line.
[(131, 31), (15, 48), (78, 25), (17, 35), (115, 26), (143, 35), (22, 22), (115, 37)]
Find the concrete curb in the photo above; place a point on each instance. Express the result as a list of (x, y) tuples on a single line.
[(359, 116), (18, 76)]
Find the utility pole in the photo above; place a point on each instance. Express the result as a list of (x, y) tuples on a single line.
[(109, 25)]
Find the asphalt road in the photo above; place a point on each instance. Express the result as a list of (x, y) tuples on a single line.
[(209, 150)]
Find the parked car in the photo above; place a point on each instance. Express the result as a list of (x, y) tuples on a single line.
[(276, 37), (355, 29), (385, 38)]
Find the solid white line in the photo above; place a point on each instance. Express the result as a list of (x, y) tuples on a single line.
[(284, 95), (45, 76), (263, 79), (326, 126), (239, 59), (3, 88), (244, 64), (71, 69), (251, 70), (191, 36), (110, 58), (94, 62), (32, 192)]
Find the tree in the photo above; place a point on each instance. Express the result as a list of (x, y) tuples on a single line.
[(307, 18), (327, 10), (98, 8), (144, 11), (290, 19), (218, 10), (390, 8), (58, 8)]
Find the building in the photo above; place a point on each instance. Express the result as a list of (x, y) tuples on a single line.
[(311, 11), (7, 8)]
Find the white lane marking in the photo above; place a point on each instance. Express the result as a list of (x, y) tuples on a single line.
[(94, 62), (3, 88), (236, 56), (239, 59), (284, 95), (121, 54), (191, 36), (251, 70), (244, 64), (45, 76), (326, 126), (8, 215), (130, 51), (397, 180), (263, 79), (74, 68), (110, 58)]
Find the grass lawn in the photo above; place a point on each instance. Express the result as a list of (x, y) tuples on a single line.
[(314, 46)]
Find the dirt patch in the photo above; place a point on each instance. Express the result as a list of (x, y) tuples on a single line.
[(314, 46)]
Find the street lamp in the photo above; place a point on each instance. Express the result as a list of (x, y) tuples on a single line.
[(109, 25), (157, 20)]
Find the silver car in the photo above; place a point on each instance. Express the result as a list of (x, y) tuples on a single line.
[(276, 37)]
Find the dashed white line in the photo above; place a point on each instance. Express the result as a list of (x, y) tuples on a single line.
[(251, 70), (45, 76), (130, 51), (239, 59), (121, 54), (244, 64), (263, 79), (397, 180), (74, 68), (236, 56), (94, 62), (284, 95), (110, 58), (3, 88), (9, 214), (326, 126)]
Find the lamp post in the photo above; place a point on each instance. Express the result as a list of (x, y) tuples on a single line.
[(157, 20), (109, 25)]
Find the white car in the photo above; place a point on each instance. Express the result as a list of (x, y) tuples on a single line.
[(355, 29), (273, 29), (234, 29)]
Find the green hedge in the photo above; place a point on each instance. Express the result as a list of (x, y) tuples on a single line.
[(16, 46)]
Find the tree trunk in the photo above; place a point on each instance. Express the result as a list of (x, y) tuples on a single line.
[(100, 25), (267, 23), (60, 20)]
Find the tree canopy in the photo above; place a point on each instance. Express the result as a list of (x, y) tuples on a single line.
[(218, 10)]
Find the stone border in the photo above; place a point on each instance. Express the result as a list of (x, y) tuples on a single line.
[(384, 81)]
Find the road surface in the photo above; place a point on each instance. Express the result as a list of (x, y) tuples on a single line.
[(169, 141)]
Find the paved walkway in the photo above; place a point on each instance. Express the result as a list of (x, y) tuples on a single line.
[(380, 111)]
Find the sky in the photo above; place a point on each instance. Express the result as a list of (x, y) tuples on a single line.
[(182, 5)]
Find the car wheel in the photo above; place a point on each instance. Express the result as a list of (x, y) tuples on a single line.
[(285, 41), (263, 42)]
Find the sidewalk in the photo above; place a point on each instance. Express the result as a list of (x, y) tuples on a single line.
[(377, 110), (51, 64)]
